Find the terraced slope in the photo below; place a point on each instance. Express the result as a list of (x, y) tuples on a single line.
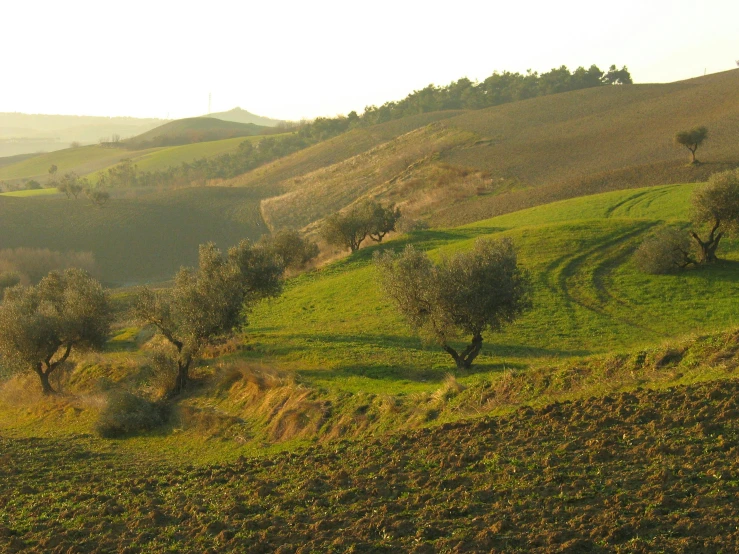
[(633, 472)]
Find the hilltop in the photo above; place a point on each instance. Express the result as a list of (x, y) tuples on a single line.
[(194, 129), (242, 116)]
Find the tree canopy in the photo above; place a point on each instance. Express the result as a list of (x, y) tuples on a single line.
[(468, 293), (692, 139), (210, 301), (368, 218), (716, 206), (40, 325)]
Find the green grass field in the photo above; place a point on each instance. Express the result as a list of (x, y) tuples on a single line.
[(31, 193), (334, 327), (91, 160)]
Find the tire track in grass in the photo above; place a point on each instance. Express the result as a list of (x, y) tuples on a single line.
[(575, 267)]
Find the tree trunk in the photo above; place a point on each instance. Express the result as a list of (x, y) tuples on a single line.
[(709, 246), (46, 387), (183, 377), (468, 355)]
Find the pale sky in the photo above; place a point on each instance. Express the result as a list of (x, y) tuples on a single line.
[(303, 59)]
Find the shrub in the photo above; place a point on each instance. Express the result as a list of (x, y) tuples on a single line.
[(667, 251), (125, 413)]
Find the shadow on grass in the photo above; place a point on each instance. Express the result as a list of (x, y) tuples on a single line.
[(721, 271)]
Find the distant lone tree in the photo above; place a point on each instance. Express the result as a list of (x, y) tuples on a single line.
[(289, 245), (692, 140), (32, 185), (470, 292), (666, 251), (208, 302), (41, 325), (367, 218), (716, 206)]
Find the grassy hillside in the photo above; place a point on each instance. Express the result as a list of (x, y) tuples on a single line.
[(589, 297), (514, 156), (82, 160), (134, 239), (90, 160)]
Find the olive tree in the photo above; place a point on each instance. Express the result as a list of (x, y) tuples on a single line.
[(382, 219), (366, 218), (692, 139), (41, 325), (469, 293), (209, 302), (294, 250), (716, 206)]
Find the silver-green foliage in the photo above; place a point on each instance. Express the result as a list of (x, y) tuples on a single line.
[(40, 325), (209, 302), (468, 293), (716, 205)]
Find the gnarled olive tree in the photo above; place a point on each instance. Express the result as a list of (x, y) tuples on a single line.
[(210, 301), (41, 325), (470, 293)]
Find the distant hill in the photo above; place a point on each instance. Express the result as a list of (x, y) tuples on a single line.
[(22, 133), (195, 129), (238, 115)]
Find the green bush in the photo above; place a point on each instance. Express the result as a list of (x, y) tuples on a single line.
[(125, 413), (667, 251)]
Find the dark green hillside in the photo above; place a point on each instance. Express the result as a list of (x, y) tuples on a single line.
[(134, 239), (194, 129)]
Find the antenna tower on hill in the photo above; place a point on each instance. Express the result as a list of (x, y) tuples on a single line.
[(209, 98)]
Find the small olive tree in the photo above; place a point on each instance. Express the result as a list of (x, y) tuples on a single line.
[(209, 302), (367, 218), (41, 325), (666, 251), (716, 206), (470, 292), (294, 250), (692, 140), (382, 219)]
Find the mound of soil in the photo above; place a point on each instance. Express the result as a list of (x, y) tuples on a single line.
[(636, 472)]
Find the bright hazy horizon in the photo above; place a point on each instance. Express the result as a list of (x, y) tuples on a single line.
[(293, 60)]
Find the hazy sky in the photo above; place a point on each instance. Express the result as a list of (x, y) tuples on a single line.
[(294, 59)]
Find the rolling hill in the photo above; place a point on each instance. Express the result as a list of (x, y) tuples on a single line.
[(194, 129), (242, 116), (486, 162)]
